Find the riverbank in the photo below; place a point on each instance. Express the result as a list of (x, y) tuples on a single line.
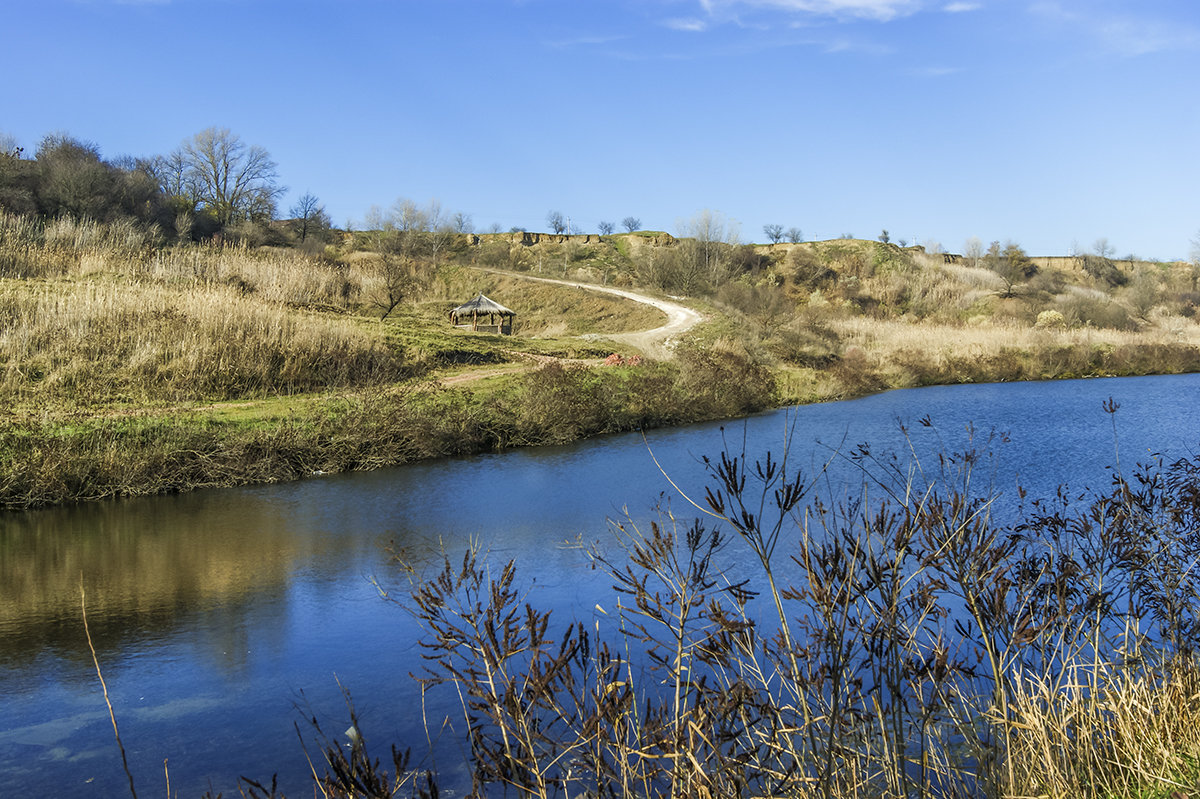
[(47, 460), (51, 461), (131, 367)]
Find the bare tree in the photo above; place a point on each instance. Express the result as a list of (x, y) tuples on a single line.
[(1012, 265), (404, 268), (707, 247), (171, 172), (973, 250), (462, 223), (1103, 249), (631, 223), (884, 237), (774, 232), (606, 228), (17, 181), (308, 216), (9, 145), (72, 178), (230, 178), (794, 235), (556, 221)]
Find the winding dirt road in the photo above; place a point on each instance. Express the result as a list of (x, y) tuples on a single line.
[(654, 342)]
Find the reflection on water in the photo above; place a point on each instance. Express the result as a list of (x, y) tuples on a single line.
[(221, 618), (142, 569)]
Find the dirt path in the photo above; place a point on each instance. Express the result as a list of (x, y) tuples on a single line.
[(655, 342)]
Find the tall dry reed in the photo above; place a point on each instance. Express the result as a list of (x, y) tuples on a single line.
[(897, 640)]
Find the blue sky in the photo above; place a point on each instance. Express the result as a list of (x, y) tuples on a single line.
[(1048, 122)]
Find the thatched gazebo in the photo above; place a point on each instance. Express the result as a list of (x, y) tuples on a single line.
[(480, 307)]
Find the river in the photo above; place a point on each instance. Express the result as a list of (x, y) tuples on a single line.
[(223, 619)]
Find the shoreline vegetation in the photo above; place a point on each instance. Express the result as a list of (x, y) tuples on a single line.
[(132, 363), (901, 642), (159, 333)]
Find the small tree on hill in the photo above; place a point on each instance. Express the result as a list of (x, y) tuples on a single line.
[(631, 223), (606, 228), (309, 217), (556, 222), (973, 251), (774, 232), (794, 235), (1011, 264)]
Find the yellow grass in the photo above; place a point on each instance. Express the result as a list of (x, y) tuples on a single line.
[(101, 342), (883, 339)]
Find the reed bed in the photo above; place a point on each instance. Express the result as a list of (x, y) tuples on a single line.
[(894, 641), (100, 343), (893, 353), (281, 277)]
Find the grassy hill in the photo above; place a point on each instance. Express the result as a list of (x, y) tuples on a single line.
[(129, 365)]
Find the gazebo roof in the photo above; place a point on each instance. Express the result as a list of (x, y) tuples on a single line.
[(482, 305)]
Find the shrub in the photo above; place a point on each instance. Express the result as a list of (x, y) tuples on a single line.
[(1050, 319), (907, 642), (1096, 311)]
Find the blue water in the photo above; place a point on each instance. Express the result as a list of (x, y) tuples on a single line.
[(221, 619)]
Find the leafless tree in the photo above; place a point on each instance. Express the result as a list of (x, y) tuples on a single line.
[(405, 262), (774, 232), (230, 178), (556, 221), (606, 228), (72, 178), (1012, 264), (308, 216), (794, 235), (973, 251), (171, 172), (9, 145), (709, 238), (462, 223), (631, 223)]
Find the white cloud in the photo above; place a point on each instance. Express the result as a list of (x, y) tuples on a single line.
[(1142, 36), (881, 10), (1124, 34), (585, 41), (961, 7), (688, 24), (934, 72)]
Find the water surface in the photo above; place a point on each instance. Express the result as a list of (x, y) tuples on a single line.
[(223, 618)]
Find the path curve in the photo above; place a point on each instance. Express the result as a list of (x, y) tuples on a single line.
[(654, 342)]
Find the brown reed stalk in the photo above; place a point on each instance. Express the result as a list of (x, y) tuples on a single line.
[(104, 686)]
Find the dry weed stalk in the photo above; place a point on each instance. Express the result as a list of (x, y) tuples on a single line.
[(919, 647)]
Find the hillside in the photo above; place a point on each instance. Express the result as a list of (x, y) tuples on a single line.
[(134, 365)]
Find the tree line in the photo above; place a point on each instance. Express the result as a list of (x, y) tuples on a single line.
[(212, 182)]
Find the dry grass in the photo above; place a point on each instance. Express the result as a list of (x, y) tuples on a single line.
[(890, 353), (915, 647), (89, 343), (100, 314), (1109, 733)]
